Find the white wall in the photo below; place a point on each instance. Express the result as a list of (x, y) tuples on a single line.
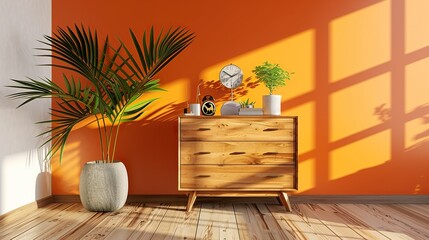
[(24, 178)]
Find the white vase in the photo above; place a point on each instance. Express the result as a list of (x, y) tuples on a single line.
[(230, 108), (103, 187), (272, 104)]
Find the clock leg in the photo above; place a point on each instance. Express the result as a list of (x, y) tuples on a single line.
[(191, 200), (284, 199)]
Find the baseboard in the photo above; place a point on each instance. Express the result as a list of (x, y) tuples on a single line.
[(66, 198), (328, 199), (45, 201)]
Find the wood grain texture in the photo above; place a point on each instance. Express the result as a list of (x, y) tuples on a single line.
[(191, 200), (203, 177), (217, 221), (237, 153), (243, 153), (221, 221), (237, 129)]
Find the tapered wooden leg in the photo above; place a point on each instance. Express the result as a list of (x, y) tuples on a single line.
[(285, 201), (191, 200)]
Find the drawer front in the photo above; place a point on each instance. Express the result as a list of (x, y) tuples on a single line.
[(248, 153), (227, 177), (237, 129)]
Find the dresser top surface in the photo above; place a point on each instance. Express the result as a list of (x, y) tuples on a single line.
[(236, 116)]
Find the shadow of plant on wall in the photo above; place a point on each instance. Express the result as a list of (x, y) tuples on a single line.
[(222, 94), (412, 160), (383, 113)]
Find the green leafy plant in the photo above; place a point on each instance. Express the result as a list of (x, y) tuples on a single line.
[(112, 85), (272, 75), (246, 103)]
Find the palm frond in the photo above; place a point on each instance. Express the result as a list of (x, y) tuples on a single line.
[(114, 80)]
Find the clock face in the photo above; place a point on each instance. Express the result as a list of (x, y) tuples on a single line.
[(208, 108), (231, 76)]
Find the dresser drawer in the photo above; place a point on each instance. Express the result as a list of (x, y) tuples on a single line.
[(229, 177), (237, 129), (248, 153)]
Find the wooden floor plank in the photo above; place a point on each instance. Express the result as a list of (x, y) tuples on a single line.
[(221, 221), (415, 227), (377, 221), (148, 221), (128, 225), (31, 221), (300, 223), (255, 221), (80, 230), (312, 222), (178, 223), (273, 227), (18, 215), (285, 219), (358, 225), (420, 209), (332, 219), (67, 222), (110, 223), (217, 221)]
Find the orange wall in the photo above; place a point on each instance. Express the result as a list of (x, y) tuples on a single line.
[(360, 88)]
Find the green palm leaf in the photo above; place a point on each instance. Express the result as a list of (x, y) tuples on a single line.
[(114, 81)]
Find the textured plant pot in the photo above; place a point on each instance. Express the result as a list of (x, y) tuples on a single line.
[(103, 186), (272, 105)]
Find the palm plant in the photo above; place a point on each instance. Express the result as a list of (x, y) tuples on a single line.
[(114, 81)]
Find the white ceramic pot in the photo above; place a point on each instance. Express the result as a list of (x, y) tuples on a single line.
[(230, 108), (272, 104), (103, 186)]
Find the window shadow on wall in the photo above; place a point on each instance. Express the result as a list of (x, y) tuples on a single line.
[(149, 147)]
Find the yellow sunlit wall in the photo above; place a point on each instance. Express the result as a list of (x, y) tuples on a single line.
[(360, 40), (416, 19)]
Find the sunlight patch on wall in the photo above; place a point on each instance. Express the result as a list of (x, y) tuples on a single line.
[(359, 40), (368, 152), (65, 176), (306, 125), (177, 93), (294, 54), (307, 175), (416, 29), (18, 180), (355, 108), (416, 85)]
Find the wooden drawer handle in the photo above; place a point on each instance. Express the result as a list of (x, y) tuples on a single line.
[(204, 129), (202, 176), (270, 153), (270, 129), (202, 153), (273, 176), (237, 153)]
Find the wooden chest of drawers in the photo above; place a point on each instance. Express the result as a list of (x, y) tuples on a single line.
[(238, 156)]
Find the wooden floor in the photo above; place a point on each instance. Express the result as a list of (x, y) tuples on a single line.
[(221, 221)]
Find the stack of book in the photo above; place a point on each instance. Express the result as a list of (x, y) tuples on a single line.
[(251, 112)]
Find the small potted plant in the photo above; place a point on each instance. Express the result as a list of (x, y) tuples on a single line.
[(247, 103), (273, 76)]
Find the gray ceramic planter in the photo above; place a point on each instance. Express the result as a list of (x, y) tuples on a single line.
[(103, 186)]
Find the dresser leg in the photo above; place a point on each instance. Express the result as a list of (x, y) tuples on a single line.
[(284, 199), (191, 200)]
